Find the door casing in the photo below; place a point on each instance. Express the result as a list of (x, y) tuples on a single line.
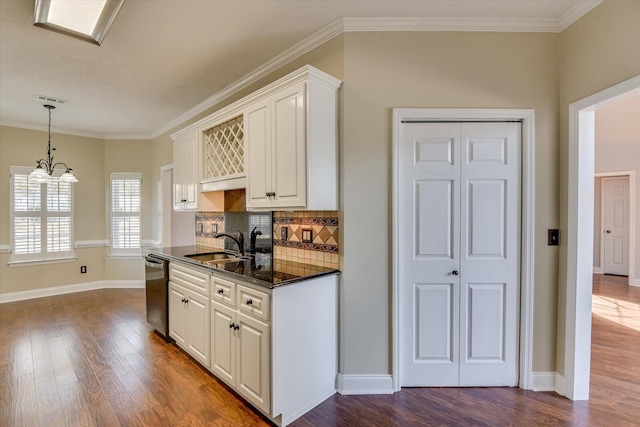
[(527, 117), (574, 383)]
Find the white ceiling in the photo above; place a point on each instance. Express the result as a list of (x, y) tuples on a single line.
[(163, 61)]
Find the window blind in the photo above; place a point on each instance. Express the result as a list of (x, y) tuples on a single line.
[(41, 218), (126, 213)]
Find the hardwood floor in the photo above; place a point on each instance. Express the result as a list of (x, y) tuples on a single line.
[(90, 359)]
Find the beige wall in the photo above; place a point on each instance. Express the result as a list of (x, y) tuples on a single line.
[(598, 51), (92, 160), (471, 70), (618, 149), (21, 147)]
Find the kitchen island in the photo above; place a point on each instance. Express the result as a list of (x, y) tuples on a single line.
[(268, 328)]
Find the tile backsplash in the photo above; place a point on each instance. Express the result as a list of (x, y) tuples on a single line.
[(307, 237), (208, 224)]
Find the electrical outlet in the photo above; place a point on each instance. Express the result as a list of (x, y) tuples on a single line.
[(83, 269)]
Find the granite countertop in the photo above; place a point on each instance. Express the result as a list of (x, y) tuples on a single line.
[(259, 269)]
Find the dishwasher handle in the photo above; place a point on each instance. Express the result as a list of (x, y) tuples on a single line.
[(153, 262)]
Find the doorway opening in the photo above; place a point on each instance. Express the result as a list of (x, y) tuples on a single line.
[(574, 383), (614, 253)]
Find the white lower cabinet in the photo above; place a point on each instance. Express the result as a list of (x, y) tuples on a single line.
[(189, 311), (276, 347), (240, 353)]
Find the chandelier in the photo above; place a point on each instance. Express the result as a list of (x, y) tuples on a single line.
[(42, 173)]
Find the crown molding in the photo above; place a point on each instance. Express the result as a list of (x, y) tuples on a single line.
[(29, 126), (348, 25), (575, 13), (450, 24), (320, 37)]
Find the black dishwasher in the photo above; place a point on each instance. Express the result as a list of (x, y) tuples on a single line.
[(157, 288)]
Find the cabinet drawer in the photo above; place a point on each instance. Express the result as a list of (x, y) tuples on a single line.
[(252, 302), (223, 291), (190, 278)]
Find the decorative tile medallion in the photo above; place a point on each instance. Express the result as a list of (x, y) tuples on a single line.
[(316, 231)]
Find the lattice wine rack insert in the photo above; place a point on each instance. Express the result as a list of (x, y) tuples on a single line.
[(224, 150)]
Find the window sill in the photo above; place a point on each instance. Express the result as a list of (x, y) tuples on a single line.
[(121, 256), (41, 262)]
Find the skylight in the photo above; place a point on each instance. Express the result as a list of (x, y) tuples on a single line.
[(80, 16), (88, 20)]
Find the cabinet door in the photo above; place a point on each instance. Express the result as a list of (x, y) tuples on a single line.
[(185, 172), (178, 180), (253, 350), (191, 171), (197, 324), (223, 343), (257, 120), (289, 171), (177, 314)]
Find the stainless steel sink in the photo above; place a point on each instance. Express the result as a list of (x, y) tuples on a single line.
[(214, 257)]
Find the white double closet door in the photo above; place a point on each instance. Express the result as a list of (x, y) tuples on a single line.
[(459, 253)]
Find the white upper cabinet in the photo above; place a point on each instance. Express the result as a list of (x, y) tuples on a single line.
[(280, 143), (291, 144), (186, 172)]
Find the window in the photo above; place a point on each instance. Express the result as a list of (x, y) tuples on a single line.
[(41, 218), (126, 214)]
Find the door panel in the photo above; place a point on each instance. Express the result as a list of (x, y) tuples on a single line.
[(615, 221), (434, 221), (198, 324), (459, 225), (253, 361), (177, 314), (223, 344), (490, 267), (258, 153), (485, 316), (288, 173), (486, 219), (429, 253), (436, 328)]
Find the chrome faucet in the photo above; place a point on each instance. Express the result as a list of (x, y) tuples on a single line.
[(239, 241)]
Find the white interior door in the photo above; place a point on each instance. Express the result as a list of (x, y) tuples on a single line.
[(615, 225), (458, 249)]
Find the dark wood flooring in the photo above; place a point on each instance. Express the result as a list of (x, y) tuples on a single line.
[(90, 359)]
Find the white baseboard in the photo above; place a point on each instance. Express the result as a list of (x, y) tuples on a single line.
[(598, 270), (364, 384), (560, 384), (634, 282), (69, 289), (543, 381)]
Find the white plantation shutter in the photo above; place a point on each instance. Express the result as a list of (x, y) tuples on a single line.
[(126, 213), (41, 218)]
